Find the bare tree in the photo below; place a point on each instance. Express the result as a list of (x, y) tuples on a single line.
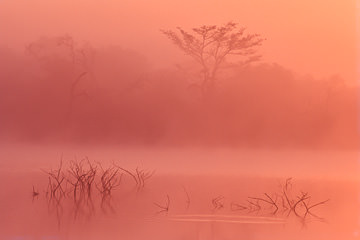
[(81, 59), (210, 45), (78, 57)]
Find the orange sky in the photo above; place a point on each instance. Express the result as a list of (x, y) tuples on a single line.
[(315, 37)]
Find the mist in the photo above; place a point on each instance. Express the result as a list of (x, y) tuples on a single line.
[(178, 120), (112, 95)]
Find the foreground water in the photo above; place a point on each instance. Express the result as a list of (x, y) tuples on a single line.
[(192, 195)]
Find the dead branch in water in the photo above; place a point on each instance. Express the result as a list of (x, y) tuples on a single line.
[(56, 178), (253, 206), (307, 207), (187, 198), (237, 207), (81, 177), (284, 202), (139, 176), (269, 200), (143, 176), (218, 203), (164, 208), (35, 194), (108, 180), (291, 204)]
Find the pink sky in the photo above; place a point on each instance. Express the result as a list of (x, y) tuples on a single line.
[(310, 37)]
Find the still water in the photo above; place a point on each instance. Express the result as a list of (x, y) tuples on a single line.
[(187, 194)]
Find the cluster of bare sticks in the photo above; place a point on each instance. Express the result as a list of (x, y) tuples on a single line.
[(78, 180), (285, 201), (81, 176), (109, 180)]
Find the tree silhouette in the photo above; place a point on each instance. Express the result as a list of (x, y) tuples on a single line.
[(77, 57), (210, 45)]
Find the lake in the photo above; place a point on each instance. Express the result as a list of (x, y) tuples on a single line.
[(180, 193)]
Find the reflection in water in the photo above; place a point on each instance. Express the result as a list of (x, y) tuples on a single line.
[(83, 199), (73, 187), (285, 203), (55, 206)]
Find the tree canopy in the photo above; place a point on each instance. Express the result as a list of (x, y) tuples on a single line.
[(210, 45)]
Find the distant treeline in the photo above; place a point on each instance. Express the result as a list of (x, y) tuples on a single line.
[(59, 91)]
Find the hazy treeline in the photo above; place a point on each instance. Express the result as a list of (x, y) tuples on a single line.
[(60, 90)]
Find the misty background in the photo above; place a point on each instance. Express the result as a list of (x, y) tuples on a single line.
[(89, 73), (83, 94)]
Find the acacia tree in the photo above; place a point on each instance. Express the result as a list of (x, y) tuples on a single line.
[(210, 45)]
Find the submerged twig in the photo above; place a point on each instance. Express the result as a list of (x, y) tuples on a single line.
[(164, 208)]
